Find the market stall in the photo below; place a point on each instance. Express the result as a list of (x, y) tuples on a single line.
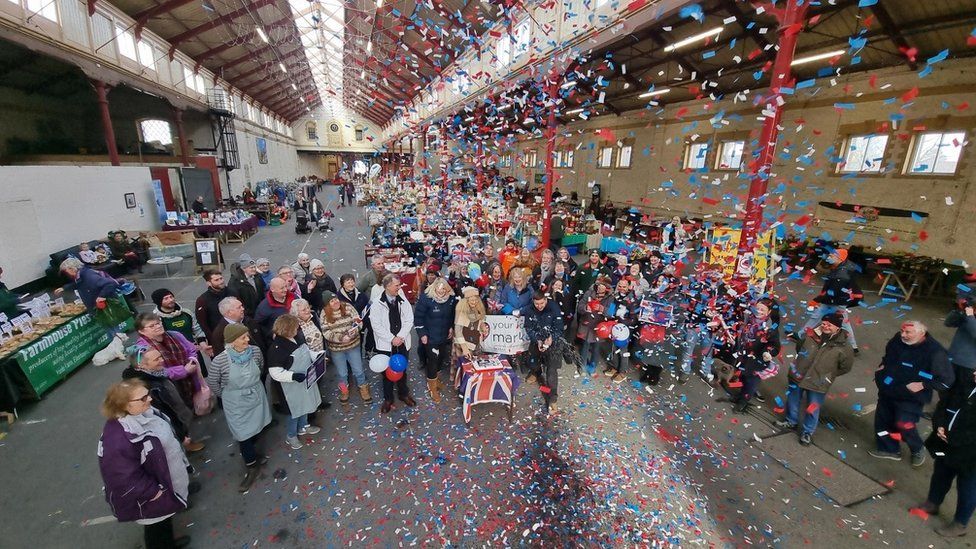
[(236, 226), (484, 379), (34, 360)]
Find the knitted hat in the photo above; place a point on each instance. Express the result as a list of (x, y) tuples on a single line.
[(327, 296), (159, 295), (263, 261), (315, 264), (836, 319), (468, 291), (233, 331), (245, 261)]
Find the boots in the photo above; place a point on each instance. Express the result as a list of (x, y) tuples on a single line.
[(434, 387), (250, 476), (364, 394)]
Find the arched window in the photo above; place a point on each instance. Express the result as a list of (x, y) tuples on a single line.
[(312, 131), (156, 133)]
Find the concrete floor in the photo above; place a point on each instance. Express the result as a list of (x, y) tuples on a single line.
[(622, 464)]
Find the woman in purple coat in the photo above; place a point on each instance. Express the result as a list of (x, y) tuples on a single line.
[(143, 465)]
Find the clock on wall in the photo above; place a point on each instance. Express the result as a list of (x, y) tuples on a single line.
[(333, 127)]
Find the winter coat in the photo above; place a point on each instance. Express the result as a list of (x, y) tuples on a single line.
[(624, 309), (207, 312), (91, 285), (587, 319), (242, 393), (135, 467), (564, 302), (434, 319), (819, 362), (358, 299), (268, 312), (585, 276), (962, 349), (467, 326), (315, 295), (288, 357), (840, 287), (241, 288), (514, 300), (166, 398), (379, 319), (218, 342), (540, 325), (756, 338), (956, 413), (902, 364)]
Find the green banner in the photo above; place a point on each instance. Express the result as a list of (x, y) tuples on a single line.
[(51, 358)]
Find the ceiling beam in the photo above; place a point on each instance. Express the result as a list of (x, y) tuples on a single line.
[(893, 32), (175, 41), (143, 17)]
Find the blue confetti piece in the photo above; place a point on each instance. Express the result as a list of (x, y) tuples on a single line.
[(856, 407), (866, 3), (917, 218), (941, 56), (844, 106), (806, 84), (926, 375), (888, 380), (963, 288)]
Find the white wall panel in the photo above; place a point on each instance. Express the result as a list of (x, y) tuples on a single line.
[(104, 37)]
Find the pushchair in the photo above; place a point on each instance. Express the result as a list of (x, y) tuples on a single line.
[(301, 222)]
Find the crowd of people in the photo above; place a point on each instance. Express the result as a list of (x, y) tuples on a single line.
[(613, 315)]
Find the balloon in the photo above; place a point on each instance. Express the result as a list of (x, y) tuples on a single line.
[(652, 333), (604, 329), (532, 244), (379, 363), (482, 281), (620, 332), (398, 363), (474, 271), (393, 375), (620, 343)]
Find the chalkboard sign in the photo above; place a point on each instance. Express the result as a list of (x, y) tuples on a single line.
[(206, 253)]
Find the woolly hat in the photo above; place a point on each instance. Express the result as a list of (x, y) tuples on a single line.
[(315, 264), (841, 254), (233, 331), (159, 295), (327, 296), (836, 319), (245, 261)]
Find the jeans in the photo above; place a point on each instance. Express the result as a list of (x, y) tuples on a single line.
[(795, 395), (695, 335), (438, 358), (897, 417), (159, 535), (350, 359), (296, 424), (822, 310), (589, 354), (249, 452), (617, 359), (942, 477)]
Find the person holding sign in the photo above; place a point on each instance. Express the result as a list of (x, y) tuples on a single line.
[(544, 326), (288, 363)]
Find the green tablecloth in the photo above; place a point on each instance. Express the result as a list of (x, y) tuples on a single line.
[(39, 365), (574, 239)]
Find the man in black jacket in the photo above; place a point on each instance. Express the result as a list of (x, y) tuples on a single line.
[(914, 365), (544, 326), (207, 312), (245, 284)]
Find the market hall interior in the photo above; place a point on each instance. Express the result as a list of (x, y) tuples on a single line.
[(152, 140)]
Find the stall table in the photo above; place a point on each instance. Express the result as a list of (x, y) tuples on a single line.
[(31, 370), (225, 232), (481, 387)]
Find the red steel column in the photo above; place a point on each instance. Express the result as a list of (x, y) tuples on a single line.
[(181, 136), (444, 158), (425, 173), (550, 173), (790, 24), (413, 164), (102, 90)]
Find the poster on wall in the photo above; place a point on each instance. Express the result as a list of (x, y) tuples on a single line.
[(262, 150), (160, 202)]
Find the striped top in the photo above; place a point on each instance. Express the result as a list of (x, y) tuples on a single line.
[(344, 325)]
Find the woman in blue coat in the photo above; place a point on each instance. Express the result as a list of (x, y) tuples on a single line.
[(434, 319), (517, 294)]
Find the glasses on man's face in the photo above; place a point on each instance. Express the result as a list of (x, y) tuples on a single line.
[(143, 398)]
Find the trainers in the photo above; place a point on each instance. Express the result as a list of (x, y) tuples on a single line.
[(619, 378), (364, 394), (805, 439), (785, 424), (928, 507), (611, 373), (954, 530), (294, 443), (310, 430), (893, 456), (918, 458), (759, 398)]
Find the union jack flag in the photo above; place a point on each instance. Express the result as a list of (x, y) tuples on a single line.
[(462, 254), (481, 387)]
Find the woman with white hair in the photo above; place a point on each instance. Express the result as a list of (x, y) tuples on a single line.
[(264, 269), (316, 283), (92, 286), (302, 267)]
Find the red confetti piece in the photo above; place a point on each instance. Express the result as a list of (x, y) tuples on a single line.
[(803, 220), (636, 5), (895, 436), (920, 513), (923, 236), (812, 407), (910, 95), (710, 201), (828, 472)]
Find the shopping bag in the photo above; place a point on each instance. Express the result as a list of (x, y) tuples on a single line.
[(114, 313), (203, 400)]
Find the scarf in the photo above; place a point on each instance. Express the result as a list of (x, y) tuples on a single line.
[(240, 358), (154, 373), (173, 353)]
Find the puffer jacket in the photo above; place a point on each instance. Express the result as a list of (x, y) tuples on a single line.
[(514, 300), (434, 319), (956, 413), (820, 362), (840, 288), (902, 364)]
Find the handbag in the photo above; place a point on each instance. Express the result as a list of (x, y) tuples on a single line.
[(203, 401)]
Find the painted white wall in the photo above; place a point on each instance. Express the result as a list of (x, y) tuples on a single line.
[(44, 209), (282, 159)]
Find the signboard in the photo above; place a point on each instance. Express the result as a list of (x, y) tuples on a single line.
[(206, 252), (59, 352), (506, 335), (653, 312), (723, 245), (315, 370), (160, 201)]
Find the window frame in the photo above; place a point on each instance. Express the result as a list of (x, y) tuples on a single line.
[(45, 8), (913, 154), (360, 134), (685, 165), (599, 157), (721, 152), (141, 132), (125, 37), (620, 155), (149, 63), (843, 165), (312, 130)]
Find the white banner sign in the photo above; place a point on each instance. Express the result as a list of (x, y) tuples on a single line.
[(506, 335)]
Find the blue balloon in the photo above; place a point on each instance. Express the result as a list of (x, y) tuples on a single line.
[(621, 343), (398, 363), (474, 271)]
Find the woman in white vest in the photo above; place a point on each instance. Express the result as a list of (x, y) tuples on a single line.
[(289, 360)]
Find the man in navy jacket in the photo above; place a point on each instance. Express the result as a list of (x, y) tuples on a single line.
[(544, 326), (914, 365)]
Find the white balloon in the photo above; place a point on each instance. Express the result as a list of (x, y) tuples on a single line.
[(620, 332), (379, 363)]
